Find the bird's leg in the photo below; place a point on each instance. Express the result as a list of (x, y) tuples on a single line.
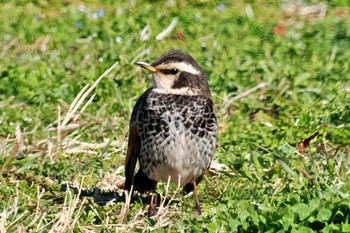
[(152, 209), (197, 208)]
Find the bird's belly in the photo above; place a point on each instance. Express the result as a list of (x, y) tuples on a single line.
[(178, 137), (180, 158), (177, 170)]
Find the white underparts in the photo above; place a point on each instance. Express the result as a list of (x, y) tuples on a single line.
[(184, 162)]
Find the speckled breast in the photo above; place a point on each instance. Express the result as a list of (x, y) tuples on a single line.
[(178, 136)]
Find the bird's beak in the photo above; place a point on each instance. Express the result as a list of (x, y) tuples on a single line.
[(146, 66)]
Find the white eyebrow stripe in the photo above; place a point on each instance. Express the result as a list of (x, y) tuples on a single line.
[(181, 66)]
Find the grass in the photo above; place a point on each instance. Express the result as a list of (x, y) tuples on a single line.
[(279, 74)]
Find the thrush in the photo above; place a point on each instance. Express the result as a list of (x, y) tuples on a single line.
[(173, 127)]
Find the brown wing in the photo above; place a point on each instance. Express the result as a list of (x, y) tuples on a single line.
[(134, 143), (131, 155)]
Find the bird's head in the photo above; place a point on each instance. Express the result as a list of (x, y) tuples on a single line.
[(178, 73)]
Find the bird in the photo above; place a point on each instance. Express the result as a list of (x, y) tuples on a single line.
[(173, 128)]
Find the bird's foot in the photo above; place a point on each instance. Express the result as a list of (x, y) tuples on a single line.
[(197, 212), (152, 210)]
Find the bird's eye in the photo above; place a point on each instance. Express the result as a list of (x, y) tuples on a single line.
[(170, 71), (173, 71)]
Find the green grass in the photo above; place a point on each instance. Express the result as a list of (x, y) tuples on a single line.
[(53, 165)]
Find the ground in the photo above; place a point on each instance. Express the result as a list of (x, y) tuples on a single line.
[(280, 77)]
